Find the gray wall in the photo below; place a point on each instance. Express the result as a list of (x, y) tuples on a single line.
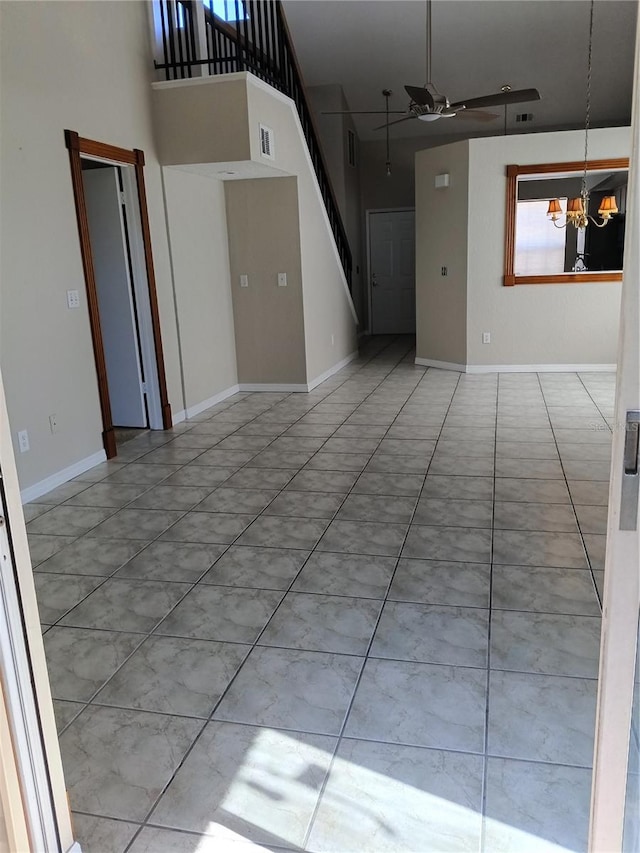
[(264, 240), (441, 240)]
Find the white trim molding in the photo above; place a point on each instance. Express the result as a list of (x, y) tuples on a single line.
[(331, 371), (75, 848), (540, 368), (197, 408), (273, 387), (442, 365), (192, 411), (63, 476), (287, 388), (517, 368)]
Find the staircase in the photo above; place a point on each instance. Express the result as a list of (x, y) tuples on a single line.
[(225, 36)]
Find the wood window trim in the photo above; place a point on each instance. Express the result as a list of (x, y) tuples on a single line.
[(510, 279), (77, 146)]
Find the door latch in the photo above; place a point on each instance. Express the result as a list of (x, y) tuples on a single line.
[(630, 473)]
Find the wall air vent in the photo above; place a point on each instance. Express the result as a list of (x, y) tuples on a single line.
[(266, 142), (524, 117)]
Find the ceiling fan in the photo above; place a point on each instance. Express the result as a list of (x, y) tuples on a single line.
[(428, 104)]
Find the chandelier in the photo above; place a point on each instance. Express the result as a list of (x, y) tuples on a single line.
[(577, 213)]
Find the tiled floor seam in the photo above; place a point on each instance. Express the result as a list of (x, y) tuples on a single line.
[(573, 505), (217, 704), (373, 633)]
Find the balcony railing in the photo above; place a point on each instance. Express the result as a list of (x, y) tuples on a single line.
[(255, 37)]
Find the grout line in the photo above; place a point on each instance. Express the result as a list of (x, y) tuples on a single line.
[(572, 503), (380, 378), (217, 704), (485, 763), (347, 714)]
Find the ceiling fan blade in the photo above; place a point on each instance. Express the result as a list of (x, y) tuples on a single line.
[(518, 96), (397, 121), (423, 97), (361, 112), (476, 115)]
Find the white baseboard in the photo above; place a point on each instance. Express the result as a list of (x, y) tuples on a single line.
[(330, 372), (292, 388), (442, 365), (192, 411), (517, 368), (540, 368), (273, 387), (75, 848), (63, 476)]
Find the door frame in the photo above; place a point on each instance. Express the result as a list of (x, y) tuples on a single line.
[(619, 635), (369, 296), (142, 258), (32, 785)]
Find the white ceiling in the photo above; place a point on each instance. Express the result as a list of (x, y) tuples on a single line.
[(478, 45)]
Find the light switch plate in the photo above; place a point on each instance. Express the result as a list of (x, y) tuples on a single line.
[(244, 281), (282, 279)]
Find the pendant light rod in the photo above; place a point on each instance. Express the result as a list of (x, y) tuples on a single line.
[(428, 40), (587, 122), (577, 213), (387, 94)]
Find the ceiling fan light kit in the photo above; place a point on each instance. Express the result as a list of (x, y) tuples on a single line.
[(427, 104), (577, 213)]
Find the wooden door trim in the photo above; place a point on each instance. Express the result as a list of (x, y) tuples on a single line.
[(108, 434), (167, 420), (78, 145)]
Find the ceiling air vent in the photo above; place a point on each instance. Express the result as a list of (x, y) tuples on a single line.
[(266, 142), (524, 117)]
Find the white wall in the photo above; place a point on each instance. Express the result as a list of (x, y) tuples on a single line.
[(555, 324), (200, 260), (87, 67), (533, 324), (328, 308)]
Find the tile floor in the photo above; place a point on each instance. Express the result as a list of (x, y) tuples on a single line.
[(361, 619)]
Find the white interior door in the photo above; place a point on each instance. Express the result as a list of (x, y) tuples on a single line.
[(392, 271), (115, 299), (615, 808)]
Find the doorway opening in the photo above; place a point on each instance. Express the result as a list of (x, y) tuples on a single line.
[(392, 275), (114, 276), (110, 197)]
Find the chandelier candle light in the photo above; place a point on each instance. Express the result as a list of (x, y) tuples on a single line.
[(578, 208)]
